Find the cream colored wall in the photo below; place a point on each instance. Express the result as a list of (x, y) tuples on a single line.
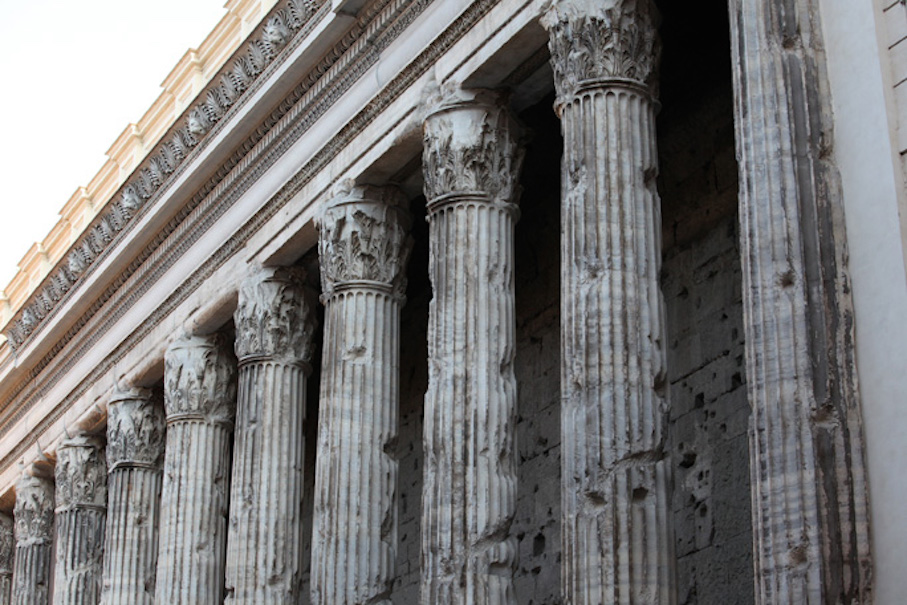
[(186, 80)]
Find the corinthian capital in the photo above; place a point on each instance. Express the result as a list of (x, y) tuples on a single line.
[(471, 147), (34, 512), (363, 237), (200, 379), (594, 42), (135, 429), (81, 474), (275, 316)]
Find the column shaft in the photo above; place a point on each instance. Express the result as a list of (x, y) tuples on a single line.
[(810, 517), (471, 161), (7, 556), (135, 449), (34, 517), (199, 397), (81, 493), (616, 493), (355, 527), (274, 327)]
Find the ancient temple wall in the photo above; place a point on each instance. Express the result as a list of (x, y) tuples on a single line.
[(703, 298)]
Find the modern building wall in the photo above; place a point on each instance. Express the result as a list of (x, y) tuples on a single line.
[(868, 155)]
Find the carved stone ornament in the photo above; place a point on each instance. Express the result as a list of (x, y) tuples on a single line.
[(7, 545), (135, 429), (364, 237), (34, 512), (596, 41), (275, 316), (200, 120), (471, 148), (200, 379), (81, 474)]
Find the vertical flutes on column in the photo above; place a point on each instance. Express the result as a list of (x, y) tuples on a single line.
[(7, 556), (81, 493), (34, 518), (810, 502), (199, 398), (363, 248), (135, 451), (616, 476), (275, 324), (471, 160)]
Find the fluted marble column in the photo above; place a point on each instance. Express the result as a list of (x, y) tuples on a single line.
[(616, 491), (135, 451), (363, 250), (810, 518), (275, 322), (34, 517), (81, 493), (471, 160), (7, 556), (200, 399)]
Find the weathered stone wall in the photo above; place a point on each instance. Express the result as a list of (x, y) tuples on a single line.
[(702, 288)]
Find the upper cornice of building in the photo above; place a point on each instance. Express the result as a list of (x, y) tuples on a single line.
[(188, 82)]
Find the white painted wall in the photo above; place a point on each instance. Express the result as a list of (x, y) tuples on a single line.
[(871, 174)]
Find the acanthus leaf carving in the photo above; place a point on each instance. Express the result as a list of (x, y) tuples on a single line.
[(200, 378), (135, 429), (81, 473), (34, 511), (593, 41), (275, 316), (364, 237), (471, 146)]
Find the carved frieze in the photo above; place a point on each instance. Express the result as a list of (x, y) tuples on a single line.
[(34, 512), (471, 147), (200, 379), (595, 41), (275, 315), (364, 237), (135, 429), (81, 473), (259, 53)]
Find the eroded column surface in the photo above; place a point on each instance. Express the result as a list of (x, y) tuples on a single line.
[(200, 400), (34, 517), (7, 556), (81, 493), (617, 532), (275, 323), (135, 452), (810, 518), (363, 249), (471, 159)]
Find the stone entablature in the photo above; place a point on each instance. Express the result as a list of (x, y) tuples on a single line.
[(186, 81)]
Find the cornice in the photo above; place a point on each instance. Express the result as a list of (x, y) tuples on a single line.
[(377, 26), (164, 163)]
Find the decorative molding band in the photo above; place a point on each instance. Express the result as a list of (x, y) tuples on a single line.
[(352, 55), (292, 125), (162, 166)]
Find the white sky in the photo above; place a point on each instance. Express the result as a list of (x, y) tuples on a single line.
[(73, 75)]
